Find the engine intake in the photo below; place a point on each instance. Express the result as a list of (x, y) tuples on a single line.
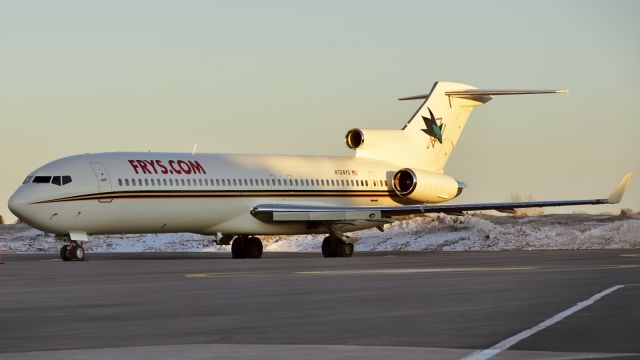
[(354, 138), (404, 181)]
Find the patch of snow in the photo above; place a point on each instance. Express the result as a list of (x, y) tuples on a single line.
[(419, 233)]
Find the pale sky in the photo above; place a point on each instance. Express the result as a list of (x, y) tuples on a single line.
[(294, 76)]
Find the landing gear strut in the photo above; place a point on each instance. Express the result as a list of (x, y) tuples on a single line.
[(72, 251), (335, 247), (244, 247)]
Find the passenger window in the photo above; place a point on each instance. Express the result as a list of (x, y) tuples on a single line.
[(133, 182), (56, 180), (126, 182), (153, 182), (262, 182), (119, 182), (333, 183), (164, 182), (366, 182), (200, 182), (182, 182)]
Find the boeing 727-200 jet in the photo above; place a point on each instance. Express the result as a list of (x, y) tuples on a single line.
[(236, 197)]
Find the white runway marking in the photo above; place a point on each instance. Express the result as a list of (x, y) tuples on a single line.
[(278, 352), (507, 343)]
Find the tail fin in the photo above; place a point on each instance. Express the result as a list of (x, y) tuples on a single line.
[(427, 140), (433, 131)]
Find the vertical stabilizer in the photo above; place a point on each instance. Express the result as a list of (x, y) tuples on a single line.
[(435, 128), (429, 137)]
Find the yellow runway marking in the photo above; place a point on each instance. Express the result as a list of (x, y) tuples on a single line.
[(407, 271), (630, 255), (410, 271)]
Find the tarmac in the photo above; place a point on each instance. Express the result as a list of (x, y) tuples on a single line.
[(567, 304)]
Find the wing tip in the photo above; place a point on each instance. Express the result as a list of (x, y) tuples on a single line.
[(617, 194)]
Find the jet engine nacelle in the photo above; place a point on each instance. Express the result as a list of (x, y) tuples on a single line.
[(424, 186)]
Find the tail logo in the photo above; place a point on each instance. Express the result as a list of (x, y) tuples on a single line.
[(434, 129)]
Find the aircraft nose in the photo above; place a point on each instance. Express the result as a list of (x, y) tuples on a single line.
[(18, 203)]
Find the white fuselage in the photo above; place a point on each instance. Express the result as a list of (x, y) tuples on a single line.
[(203, 193)]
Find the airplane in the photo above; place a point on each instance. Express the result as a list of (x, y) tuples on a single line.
[(235, 197)]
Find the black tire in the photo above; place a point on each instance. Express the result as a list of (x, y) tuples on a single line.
[(328, 247), (253, 248), (344, 249), (64, 253), (76, 252), (238, 248)]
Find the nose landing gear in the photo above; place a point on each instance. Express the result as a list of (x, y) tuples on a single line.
[(72, 251)]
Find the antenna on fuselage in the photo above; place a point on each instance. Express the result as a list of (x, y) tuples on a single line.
[(195, 149)]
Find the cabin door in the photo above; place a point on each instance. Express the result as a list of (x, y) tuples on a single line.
[(104, 182)]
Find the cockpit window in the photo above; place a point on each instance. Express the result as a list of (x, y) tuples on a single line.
[(55, 180), (42, 179)]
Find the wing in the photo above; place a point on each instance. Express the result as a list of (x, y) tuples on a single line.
[(306, 213)]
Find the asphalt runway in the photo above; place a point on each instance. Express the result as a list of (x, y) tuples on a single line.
[(444, 305)]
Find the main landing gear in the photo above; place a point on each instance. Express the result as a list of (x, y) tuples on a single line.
[(244, 247), (334, 247), (72, 251)]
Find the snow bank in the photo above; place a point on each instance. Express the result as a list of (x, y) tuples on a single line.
[(420, 233)]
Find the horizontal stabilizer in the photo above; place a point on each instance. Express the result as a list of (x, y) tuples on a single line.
[(489, 92)]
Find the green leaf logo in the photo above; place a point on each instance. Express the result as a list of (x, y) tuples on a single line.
[(434, 130)]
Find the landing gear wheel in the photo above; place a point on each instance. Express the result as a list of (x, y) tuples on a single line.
[(327, 247), (76, 252), (334, 247), (237, 248), (253, 248), (64, 253), (344, 249), (244, 247)]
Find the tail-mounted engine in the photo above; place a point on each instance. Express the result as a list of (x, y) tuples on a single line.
[(424, 186)]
